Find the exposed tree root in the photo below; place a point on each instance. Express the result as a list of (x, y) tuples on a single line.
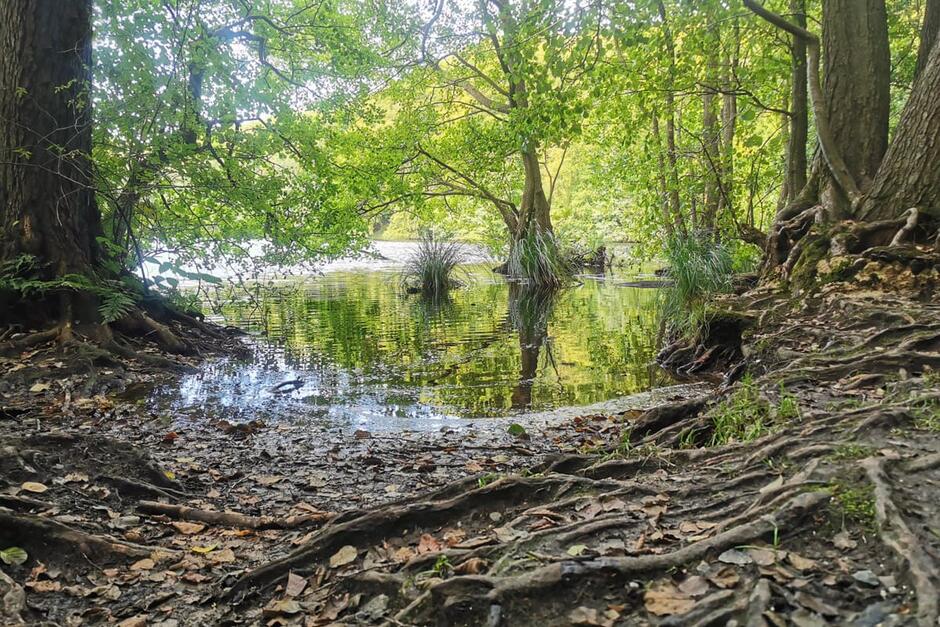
[(51, 539), (897, 535), (231, 519)]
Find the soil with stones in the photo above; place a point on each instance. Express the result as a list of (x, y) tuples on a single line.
[(804, 493)]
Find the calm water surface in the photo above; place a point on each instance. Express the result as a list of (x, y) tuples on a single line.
[(370, 356)]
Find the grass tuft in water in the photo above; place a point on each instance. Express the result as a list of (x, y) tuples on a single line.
[(537, 257), (430, 270), (699, 267)]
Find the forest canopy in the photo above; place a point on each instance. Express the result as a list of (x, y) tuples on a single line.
[(311, 127)]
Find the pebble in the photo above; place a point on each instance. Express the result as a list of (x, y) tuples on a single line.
[(866, 577)]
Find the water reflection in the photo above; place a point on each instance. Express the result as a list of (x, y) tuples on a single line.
[(366, 352)]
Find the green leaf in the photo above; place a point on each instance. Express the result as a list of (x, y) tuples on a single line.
[(14, 556), (517, 430)]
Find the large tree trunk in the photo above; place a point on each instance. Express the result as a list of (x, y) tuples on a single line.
[(910, 174), (799, 109), (929, 31), (857, 92), (47, 204)]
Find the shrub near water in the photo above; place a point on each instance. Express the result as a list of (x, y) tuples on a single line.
[(431, 268), (699, 267)]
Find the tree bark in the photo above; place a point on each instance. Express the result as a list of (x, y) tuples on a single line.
[(47, 203), (710, 133), (534, 210), (799, 109), (729, 121), (857, 92), (929, 31), (910, 176), (671, 150)]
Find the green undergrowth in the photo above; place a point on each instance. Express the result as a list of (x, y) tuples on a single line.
[(854, 501), (23, 276), (747, 415), (851, 451)]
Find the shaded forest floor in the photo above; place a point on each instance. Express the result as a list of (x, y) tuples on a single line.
[(805, 494)]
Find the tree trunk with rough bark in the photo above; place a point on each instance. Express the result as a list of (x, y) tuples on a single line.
[(929, 32), (857, 92), (534, 210), (711, 165), (910, 173), (47, 204)]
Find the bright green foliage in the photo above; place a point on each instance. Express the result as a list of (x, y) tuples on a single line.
[(211, 122), (742, 417), (13, 556), (856, 501), (23, 275), (284, 131), (747, 415)]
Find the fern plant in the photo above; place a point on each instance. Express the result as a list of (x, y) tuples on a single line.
[(21, 275)]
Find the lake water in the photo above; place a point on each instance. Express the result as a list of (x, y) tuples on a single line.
[(370, 356)]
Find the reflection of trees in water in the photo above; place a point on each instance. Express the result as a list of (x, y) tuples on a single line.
[(530, 309), (358, 330)]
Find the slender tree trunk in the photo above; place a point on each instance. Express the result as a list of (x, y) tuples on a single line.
[(47, 204), (710, 133), (672, 155), (857, 91), (910, 174), (729, 121), (672, 222), (799, 109), (929, 32)]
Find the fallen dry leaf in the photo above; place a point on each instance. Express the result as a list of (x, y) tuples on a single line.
[(34, 487), (588, 616), (454, 536), (144, 564), (188, 528), (664, 599), (282, 607), (694, 586), (140, 620), (269, 479), (225, 556), (726, 577), (403, 554), (295, 585), (473, 566), (844, 541), (428, 544), (801, 563), (734, 556), (345, 555), (43, 585), (765, 557)]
